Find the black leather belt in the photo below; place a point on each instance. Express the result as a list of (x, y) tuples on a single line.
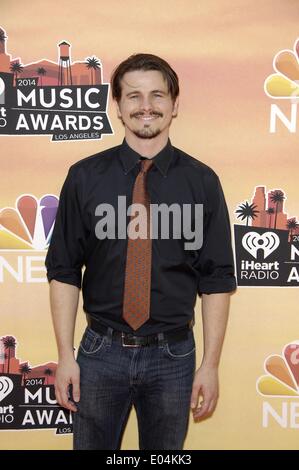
[(130, 340)]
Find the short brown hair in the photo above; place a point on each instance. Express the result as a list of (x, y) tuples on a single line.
[(144, 62)]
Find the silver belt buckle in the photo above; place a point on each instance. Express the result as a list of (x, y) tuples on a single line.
[(128, 345)]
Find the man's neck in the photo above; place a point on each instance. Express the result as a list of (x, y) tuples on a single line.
[(147, 147)]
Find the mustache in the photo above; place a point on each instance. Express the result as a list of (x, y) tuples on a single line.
[(140, 113)]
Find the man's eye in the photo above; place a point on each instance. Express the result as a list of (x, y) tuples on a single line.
[(133, 96), (158, 95)]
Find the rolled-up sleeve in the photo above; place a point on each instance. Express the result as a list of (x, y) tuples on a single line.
[(65, 256), (215, 262)]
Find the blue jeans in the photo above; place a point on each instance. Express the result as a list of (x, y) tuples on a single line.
[(156, 379)]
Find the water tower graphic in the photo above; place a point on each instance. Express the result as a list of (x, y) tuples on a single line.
[(4, 57), (65, 71)]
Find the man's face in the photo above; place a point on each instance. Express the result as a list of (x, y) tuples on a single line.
[(146, 107)]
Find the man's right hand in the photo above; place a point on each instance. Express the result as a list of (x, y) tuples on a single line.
[(68, 373)]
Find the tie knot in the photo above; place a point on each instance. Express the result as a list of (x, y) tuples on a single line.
[(146, 165)]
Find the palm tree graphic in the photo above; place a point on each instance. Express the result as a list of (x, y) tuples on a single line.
[(270, 211), (2, 36), (92, 63), (48, 373), (24, 369), (292, 224), (276, 197), (41, 71), (16, 68), (10, 344), (247, 211)]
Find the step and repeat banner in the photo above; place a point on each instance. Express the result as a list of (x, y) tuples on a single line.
[(238, 64)]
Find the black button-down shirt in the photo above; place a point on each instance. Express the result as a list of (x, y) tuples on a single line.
[(178, 275)]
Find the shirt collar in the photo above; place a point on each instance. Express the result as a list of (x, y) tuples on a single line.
[(130, 158)]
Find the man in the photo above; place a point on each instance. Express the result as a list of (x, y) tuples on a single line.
[(139, 290)]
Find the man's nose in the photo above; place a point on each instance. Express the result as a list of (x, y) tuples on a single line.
[(146, 103)]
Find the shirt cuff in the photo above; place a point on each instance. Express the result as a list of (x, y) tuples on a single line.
[(216, 286), (67, 276)]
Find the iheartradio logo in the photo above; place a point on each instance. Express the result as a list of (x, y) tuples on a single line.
[(6, 387), (268, 242)]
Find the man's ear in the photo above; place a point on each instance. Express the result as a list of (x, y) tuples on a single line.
[(175, 107), (118, 112)]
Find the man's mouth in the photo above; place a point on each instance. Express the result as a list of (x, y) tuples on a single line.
[(147, 117)]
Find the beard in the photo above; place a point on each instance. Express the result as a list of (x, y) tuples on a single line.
[(147, 133)]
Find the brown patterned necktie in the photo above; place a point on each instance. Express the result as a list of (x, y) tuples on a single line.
[(137, 288)]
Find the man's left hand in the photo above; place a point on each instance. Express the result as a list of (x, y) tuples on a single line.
[(205, 386)]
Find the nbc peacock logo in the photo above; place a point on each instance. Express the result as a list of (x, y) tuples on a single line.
[(284, 84), (282, 373), (29, 225)]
